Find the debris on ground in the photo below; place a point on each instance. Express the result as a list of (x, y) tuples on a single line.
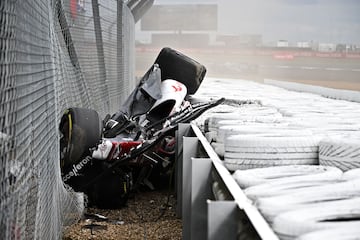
[(148, 215)]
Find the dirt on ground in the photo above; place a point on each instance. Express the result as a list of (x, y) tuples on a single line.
[(148, 215)]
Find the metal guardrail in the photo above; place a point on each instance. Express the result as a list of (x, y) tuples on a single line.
[(203, 217)]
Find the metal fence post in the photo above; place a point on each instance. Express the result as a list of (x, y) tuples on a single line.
[(120, 48), (100, 53)]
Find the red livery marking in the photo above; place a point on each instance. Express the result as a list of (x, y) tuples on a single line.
[(177, 88)]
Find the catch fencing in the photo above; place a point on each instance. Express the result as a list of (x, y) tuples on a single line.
[(54, 54)]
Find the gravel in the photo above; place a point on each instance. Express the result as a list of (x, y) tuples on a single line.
[(148, 215)]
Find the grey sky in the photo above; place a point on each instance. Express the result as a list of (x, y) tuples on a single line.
[(336, 21)]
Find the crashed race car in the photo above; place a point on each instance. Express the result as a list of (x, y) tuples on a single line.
[(109, 158)]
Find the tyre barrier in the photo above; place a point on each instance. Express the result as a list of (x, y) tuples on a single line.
[(288, 174), (211, 136), (246, 164), (226, 131), (325, 129), (323, 117), (284, 187), (217, 138), (270, 207), (351, 174), (321, 215), (343, 153), (218, 148), (211, 123), (351, 232), (246, 113), (217, 121), (254, 151), (260, 120)]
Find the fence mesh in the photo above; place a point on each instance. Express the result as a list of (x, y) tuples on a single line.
[(54, 54)]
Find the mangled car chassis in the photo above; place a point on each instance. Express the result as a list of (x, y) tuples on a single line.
[(108, 158)]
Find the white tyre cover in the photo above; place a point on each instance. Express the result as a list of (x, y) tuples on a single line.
[(284, 187), (233, 114), (292, 173), (238, 122), (351, 174), (211, 136), (351, 232), (262, 130), (272, 150), (212, 122), (270, 155), (285, 149), (343, 153), (218, 148), (322, 215), (272, 206), (229, 130), (246, 164), (272, 142)]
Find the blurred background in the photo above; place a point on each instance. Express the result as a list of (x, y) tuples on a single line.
[(309, 41)]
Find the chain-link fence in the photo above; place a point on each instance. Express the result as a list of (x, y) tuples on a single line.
[(54, 54)]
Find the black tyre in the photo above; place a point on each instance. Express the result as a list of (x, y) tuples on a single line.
[(81, 130), (111, 191), (177, 66)]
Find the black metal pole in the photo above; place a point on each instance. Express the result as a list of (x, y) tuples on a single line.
[(100, 52)]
